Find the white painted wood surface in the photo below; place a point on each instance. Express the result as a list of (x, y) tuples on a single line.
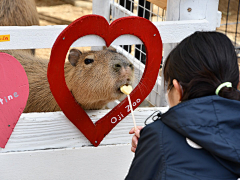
[(41, 131), (47, 146), (87, 163), (45, 36), (102, 8)]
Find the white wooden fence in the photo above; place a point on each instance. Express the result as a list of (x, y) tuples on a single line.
[(47, 145)]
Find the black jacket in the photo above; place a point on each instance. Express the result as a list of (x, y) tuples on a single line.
[(211, 122)]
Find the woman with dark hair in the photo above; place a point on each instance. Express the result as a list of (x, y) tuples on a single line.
[(199, 136)]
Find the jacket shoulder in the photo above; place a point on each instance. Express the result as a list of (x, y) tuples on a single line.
[(164, 154), (148, 162)]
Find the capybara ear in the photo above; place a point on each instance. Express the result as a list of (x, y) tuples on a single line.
[(110, 48), (74, 56)]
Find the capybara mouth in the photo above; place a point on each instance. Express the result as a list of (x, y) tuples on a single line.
[(119, 90)]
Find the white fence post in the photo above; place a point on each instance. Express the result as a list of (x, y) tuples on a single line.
[(179, 10), (102, 8)]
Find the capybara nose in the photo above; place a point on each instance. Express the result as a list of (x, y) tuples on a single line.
[(126, 73), (129, 81)]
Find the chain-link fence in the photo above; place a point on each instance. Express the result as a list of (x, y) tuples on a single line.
[(230, 20)]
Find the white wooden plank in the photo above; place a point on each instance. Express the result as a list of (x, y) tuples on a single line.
[(112, 104), (176, 31), (45, 36), (40, 131), (172, 14), (119, 11), (219, 17), (155, 95), (86, 163), (101, 7), (212, 15)]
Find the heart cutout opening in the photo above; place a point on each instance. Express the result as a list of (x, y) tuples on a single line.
[(116, 62)]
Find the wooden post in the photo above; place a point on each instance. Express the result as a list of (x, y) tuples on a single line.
[(102, 8), (178, 10)]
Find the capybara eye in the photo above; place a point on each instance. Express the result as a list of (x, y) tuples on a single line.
[(131, 65), (88, 61), (117, 65)]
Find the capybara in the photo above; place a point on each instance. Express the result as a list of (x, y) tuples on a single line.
[(18, 13), (94, 78)]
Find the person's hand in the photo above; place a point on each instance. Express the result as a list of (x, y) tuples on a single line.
[(135, 137)]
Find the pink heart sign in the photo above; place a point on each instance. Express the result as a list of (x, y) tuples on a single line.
[(97, 25), (14, 90)]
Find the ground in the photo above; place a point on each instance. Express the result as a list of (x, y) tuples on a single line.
[(60, 12)]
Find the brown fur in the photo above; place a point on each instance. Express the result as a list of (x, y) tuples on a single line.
[(19, 13), (93, 85)]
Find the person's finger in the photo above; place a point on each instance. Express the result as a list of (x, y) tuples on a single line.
[(133, 149), (132, 131), (134, 141), (137, 131)]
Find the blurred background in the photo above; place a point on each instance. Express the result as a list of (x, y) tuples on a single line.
[(63, 12)]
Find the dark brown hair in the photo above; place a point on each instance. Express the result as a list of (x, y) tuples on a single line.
[(200, 63)]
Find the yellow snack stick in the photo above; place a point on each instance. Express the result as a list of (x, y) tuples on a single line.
[(126, 89)]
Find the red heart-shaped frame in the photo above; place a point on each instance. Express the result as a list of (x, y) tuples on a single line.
[(97, 25)]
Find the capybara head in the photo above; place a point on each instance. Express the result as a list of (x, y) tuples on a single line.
[(95, 77)]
